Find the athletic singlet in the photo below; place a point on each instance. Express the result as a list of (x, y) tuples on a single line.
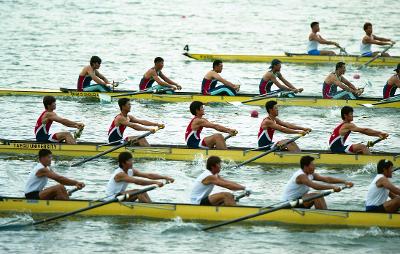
[(83, 81), (115, 133), (293, 190), (365, 49), (42, 130), (201, 190), (328, 90), (34, 182), (265, 136), (389, 90), (113, 187), (207, 85), (312, 45), (376, 196), (337, 142), (192, 137), (146, 83), (265, 85)]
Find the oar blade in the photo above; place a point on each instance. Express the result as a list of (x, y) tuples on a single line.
[(367, 105), (104, 98)]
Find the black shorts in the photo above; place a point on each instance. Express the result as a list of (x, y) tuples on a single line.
[(205, 201), (32, 195), (375, 209)]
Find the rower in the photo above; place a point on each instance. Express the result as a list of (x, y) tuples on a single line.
[(205, 182), (335, 80), (45, 121), (270, 78), (196, 125), (392, 84), (210, 80), (155, 74), (381, 188), (38, 177), (304, 179), (125, 175), (314, 39), (340, 134), (272, 123), (89, 73), (124, 119), (369, 39)]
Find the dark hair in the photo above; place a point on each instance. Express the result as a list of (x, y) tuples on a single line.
[(158, 59), (48, 100), (384, 164), (124, 157), (345, 111), (44, 153), (314, 24), (305, 161), (95, 59), (270, 105), (212, 161), (366, 25), (339, 65), (122, 102), (216, 63), (194, 106)]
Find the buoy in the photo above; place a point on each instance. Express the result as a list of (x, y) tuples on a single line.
[(183, 16), (356, 76), (254, 113)]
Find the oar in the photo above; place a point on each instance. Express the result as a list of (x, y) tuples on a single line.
[(372, 143), (244, 194), (394, 170), (72, 191), (376, 57), (384, 101), (107, 98), (277, 147), (125, 143), (231, 135), (112, 143), (342, 50), (259, 148), (256, 98), (288, 204), (119, 198)]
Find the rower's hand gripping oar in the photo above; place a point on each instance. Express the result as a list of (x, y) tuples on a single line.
[(245, 193), (119, 198), (288, 204), (277, 147), (125, 143), (375, 57), (372, 143), (231, 135)]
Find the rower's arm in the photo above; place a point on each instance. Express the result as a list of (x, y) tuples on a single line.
[(143, 122), (206, 124), (279, 127), (165, 78), (381, 38), (303, 179), (101, 76), (65, 121), (330, 179), (223, 183), (343, 86), (366, 131), (322, 40), (348, 83), (223, 81), (278, 84), (287, 83), (159, 81), (56, 177), (291, 126), (96, 78), (123, 177), (153, 176), (376, 40), (384, 182)]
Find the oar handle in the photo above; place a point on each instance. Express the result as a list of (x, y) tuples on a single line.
[(372, 143), (72, 191), (244, 194), (231, 135)]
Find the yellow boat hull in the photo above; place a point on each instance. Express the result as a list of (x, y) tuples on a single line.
[(187, 212), (300, 101), (182, 153), (297, 59)]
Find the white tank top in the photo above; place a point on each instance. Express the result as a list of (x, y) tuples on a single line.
[(376, 196), (35, 183), (294, 190), (365, 48), (201, 190), (114, 187), (312, 45)]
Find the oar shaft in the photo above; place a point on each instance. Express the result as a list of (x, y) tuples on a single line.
[(378, 55), (372, 143), (72, 191)]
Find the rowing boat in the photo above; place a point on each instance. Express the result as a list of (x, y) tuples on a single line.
[(188, 212), (301, 101), (183, 153), (297, 59)]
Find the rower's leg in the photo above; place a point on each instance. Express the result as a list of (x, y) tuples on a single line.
[(319, 203), (67, 136), (144, 197), (57, 192), (140, 142), (327, 53), (385, 54), (291, 147), (216, 140), (393, 205), (222, 198), (360, 149)]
